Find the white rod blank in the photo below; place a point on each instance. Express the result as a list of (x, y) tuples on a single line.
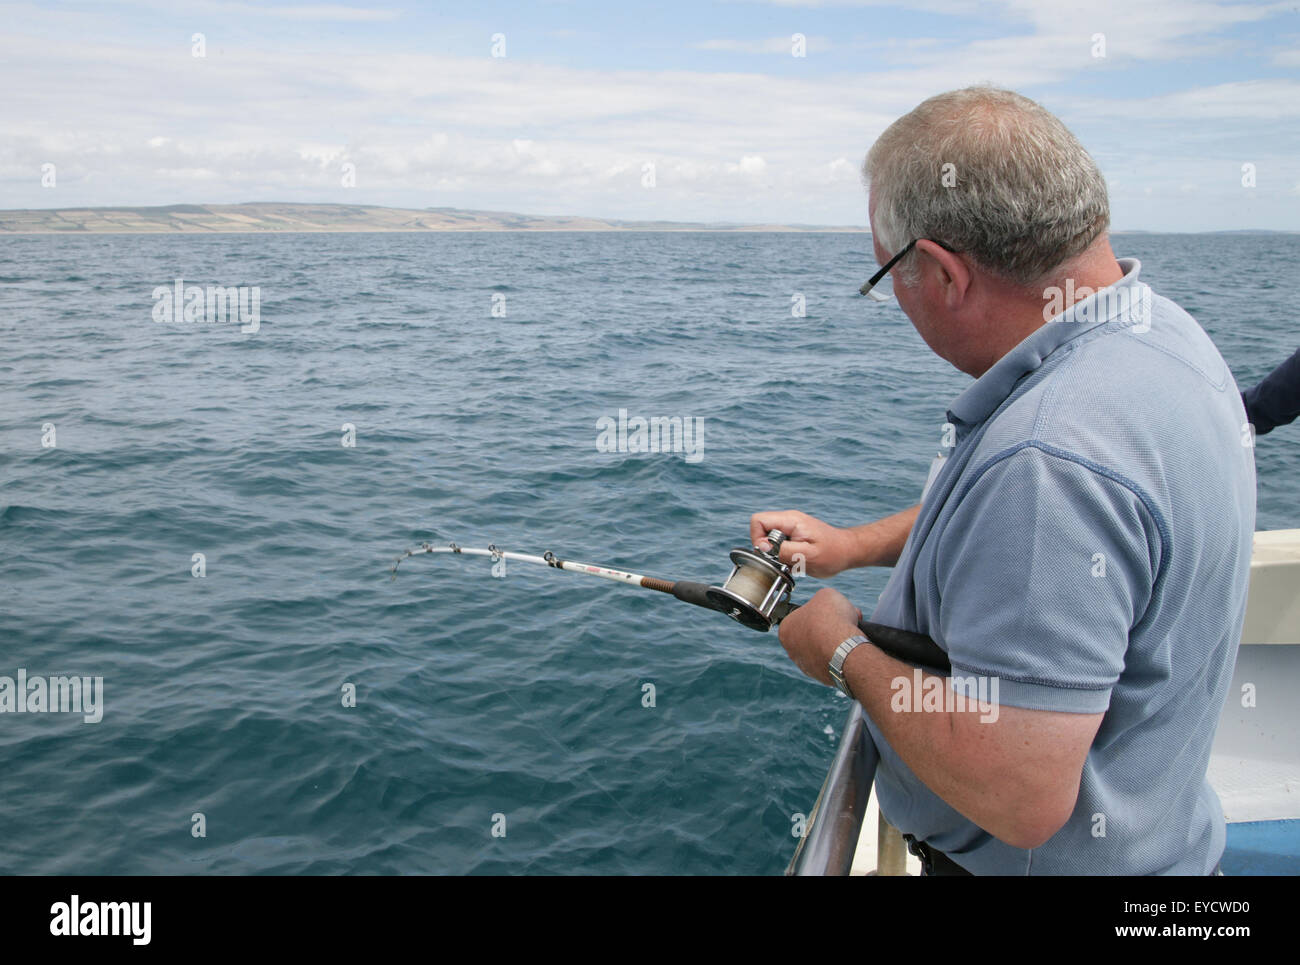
[(620, 576)]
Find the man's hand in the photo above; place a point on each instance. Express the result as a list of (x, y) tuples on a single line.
[(825, 549), (811, 633)]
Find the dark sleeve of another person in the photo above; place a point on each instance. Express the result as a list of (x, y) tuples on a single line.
[(1276, 400)]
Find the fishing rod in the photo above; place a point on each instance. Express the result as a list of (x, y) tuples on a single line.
[(756, 594)]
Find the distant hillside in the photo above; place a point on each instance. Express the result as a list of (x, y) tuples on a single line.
[(286, 216)]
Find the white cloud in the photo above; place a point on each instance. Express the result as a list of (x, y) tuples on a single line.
[(1257, 100), (1287, 58), (228, 9), (769, 45), (128, 121)]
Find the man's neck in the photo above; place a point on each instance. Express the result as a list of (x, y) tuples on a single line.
[(1014, 313)]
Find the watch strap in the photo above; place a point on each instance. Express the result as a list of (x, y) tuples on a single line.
[(837, 662)]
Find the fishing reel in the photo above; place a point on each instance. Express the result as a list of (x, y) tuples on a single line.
[(757, 593)]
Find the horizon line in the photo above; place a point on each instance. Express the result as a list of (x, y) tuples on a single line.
[(611, 223)]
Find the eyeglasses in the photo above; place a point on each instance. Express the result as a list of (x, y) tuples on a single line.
[(874, 280)]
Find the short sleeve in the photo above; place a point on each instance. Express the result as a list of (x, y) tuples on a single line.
[(1044, 568)]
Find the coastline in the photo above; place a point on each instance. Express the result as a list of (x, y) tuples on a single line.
[(289, 218)]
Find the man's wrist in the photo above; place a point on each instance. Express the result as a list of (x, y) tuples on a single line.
[(840, 657), (866, 547)]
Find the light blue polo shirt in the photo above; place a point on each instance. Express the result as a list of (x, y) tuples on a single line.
[(1087, 543)]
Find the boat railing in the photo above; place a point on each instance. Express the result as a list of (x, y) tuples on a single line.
[(831, 832)]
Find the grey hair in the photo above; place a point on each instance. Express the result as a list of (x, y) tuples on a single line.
[(1021, 197)]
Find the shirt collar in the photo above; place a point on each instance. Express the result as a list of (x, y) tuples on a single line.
[(987, 392)]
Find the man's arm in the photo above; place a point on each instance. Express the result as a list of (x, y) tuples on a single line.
[(1275, 401), (1042, 570), (826, 549), (881, 543), (1013, 772)]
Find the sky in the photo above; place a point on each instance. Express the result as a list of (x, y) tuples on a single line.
[(743, 111)]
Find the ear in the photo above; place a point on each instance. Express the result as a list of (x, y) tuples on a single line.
[(952, 272)]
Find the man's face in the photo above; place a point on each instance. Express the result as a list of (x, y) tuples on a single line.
[(911, 299)]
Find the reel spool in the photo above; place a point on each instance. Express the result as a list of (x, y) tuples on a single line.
[(758, 583)]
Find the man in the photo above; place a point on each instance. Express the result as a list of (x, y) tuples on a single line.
[(1083, 542)]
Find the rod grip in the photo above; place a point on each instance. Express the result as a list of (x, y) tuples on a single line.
[(696, 593), (907, 646)]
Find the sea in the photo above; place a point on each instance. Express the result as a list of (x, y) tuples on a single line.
[(203, 515)]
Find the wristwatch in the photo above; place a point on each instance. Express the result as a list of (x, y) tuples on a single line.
[(837, 662)]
